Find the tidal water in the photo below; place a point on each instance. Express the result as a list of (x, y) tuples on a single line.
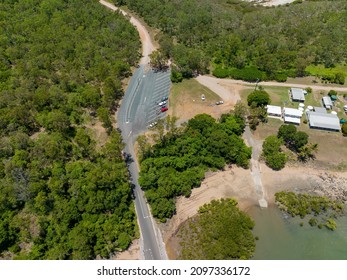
[(282, 238)]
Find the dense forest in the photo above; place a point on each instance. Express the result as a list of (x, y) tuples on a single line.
[(246, 41), (220, 231), (178, 161), (62, 196)]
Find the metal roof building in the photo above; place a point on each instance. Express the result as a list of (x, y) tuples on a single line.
[(291, 115), (321, 110), (274, 110), (327, 102), (297, 94), (323, 121)]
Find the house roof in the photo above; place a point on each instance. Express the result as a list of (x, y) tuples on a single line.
[(327, 101), (291, 112), (320, 110), (291, 120), (274, 110), (297, 94), (324, 120)]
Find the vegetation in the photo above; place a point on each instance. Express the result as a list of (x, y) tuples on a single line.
[(250, 42), (178, 161), (344, 129), (61, 197), (274, 157), (258, 98), (297, 141), (304, 204), (219, 232)]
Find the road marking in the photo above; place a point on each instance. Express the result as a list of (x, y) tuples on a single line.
[(130, 133)]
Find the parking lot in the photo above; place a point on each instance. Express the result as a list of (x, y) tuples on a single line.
[(161, 90)]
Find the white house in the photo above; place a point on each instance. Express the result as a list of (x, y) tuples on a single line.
[(327, 102), (275, 111), (291, 115)]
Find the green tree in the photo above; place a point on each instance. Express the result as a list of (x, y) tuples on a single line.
[(258, 98)]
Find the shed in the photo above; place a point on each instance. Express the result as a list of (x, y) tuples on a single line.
[(297, 94), (274, 110), (327, 102), (323, 121)]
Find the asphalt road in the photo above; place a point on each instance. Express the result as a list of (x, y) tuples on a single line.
[(138, 109)]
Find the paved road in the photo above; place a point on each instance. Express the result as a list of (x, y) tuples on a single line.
[(137, 111)]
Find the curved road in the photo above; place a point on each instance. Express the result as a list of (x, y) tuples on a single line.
[(139, 109)]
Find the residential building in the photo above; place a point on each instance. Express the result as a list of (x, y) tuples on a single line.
[(327, 102), (297, 94), (291, 115), (274, 111)]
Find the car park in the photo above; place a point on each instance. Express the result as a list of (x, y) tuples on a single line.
[(164, 109)]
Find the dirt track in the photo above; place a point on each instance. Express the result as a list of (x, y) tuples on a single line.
[(147, 44)]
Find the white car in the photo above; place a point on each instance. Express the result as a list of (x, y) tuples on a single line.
[(162, 103), (219, 102), (153, 124)]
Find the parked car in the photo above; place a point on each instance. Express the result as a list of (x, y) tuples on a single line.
[(162, 103), (203, 97), (219, 102), (164, 98), (164, 109), (153, 124)]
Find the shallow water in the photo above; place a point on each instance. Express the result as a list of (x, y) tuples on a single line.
[(282, 238)]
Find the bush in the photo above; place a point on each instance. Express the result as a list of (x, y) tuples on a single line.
[(176, 76), (344, 129), (220, 72), (280, 77), (340, 78), (249, 74)]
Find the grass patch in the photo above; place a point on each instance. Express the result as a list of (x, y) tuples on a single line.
[(320, 70), (193, 90)]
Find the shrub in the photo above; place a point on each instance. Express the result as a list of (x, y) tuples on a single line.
[(220, 72), (249, 74), (344, 129), (176, 76), (280, 77), (340, 78)]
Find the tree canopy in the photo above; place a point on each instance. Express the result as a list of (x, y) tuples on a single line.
[(178, 162), (62, 196), (219, 232), (247, 41)]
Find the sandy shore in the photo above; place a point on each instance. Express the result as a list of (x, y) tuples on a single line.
[(237, 183)]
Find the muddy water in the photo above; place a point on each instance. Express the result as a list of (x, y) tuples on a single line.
[(282, 238)]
